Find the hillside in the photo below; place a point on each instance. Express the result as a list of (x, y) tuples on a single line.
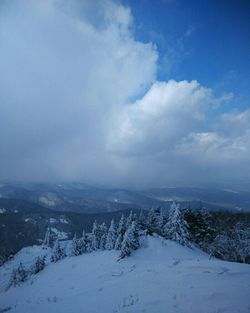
[(160, 277), (27, 227)]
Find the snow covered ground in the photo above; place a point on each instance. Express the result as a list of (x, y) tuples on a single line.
[(162, 277)]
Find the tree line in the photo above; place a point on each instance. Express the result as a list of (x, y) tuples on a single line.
[(187, 227)]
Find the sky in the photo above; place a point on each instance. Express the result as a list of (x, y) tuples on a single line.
[(125, 93)]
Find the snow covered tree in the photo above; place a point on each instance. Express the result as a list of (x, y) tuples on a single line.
[(130, 241), (155, 221), (58, 252), (39, 264), (129, 220), (75, 247), (242, 238), (89, 243), (49, 238), (82, 243), (200, 227), (142, 221), (111, 237), (176, 227), (118, 243), (120, 233), (103, 230), (18, 275), (233, 245), (96, 236)]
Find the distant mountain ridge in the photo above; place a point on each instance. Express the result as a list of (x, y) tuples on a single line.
[(79, 197)]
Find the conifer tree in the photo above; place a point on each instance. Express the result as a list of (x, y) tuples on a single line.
[(177, 228), (111, 237), (96, 236), (18, 275), (75, 248), (120, 232), (39, 264), (103, 230), (49, 238), (142, 221), (155, 221), (130, 241), (58, 252), (129, 220), (82, 243)]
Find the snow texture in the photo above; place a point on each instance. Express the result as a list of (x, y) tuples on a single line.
[(162, 277)]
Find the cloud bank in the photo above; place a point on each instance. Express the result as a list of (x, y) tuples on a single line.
[(80, 100)]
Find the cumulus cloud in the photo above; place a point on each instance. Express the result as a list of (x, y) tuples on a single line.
[(70, 74), (64, 67), (168, 136), (164, 115)]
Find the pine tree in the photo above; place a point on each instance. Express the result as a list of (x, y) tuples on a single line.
[(118, 243), (155, 221), (120, 232), (18, 275), (233, 244), (142, 221), (177, 228), (39, 264), (82, 243), (96, 236), (58, 252), (75, 249), (129, 220), (111, 237), (49, 238), (130, 241), (89, 244), (103, 230)]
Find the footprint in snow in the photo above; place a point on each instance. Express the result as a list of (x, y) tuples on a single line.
[(126, 302)]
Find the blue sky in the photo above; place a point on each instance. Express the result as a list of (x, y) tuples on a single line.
[(204, 40)]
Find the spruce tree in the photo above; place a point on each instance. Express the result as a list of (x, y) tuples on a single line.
[(58, 252), (75, 249), (39, 264), (120, 232), (111, 237), (103, 230), (142, 221), (82, 243), (49, 238), (177, 228), (155, 221), (130, 241), (18, 275), (96, 236), (129, 220)]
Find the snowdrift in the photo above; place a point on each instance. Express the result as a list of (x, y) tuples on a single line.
[(162, 277)]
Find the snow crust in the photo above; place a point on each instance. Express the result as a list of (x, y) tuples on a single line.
[(161, 277)]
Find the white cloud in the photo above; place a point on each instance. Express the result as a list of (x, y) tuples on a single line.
[(64, 67), (69, 74), (168, 135), (167, 112)]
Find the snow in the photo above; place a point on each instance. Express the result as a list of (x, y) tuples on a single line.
[(63, 221), (2, 211), (59, 234), (52, 220), (49, 199), (159, 278)]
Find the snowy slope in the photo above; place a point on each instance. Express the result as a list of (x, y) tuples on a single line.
[(162, 277)]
